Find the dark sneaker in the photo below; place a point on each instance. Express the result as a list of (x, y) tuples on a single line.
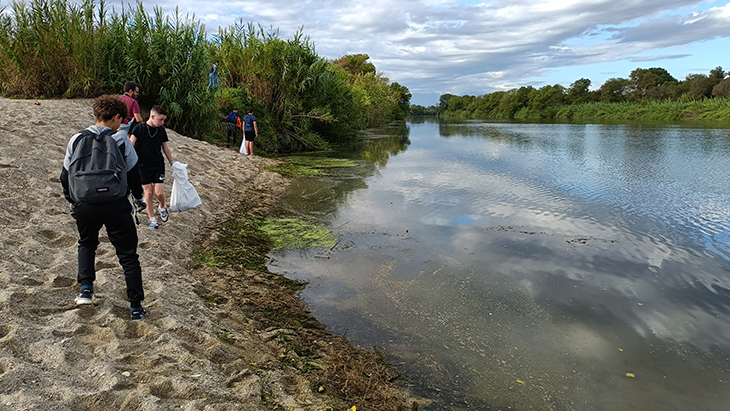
[(164, 214), (85, 297), (138, 314), (140, 205)]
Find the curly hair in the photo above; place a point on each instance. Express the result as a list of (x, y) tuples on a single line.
[(108, 106)]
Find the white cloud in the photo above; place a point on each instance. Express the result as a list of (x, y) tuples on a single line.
[(430, 45)]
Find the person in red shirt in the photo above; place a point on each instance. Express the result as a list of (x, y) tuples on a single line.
[(131, 91)]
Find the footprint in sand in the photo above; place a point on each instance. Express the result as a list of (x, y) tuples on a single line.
[(161, 387), (86, 312), (28, 281), (146, 245), (100, 265), (5, 330), (56, 239), (9, 341), (241, 380), (63, 282), (93, 335)]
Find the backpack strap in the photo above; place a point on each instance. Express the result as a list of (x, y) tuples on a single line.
[(82, 135), (88, 133)]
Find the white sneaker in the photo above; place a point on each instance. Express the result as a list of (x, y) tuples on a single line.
[(85, 297), (153, 223), (164, 215)]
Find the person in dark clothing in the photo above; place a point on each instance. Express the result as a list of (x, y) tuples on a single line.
[(233, 123), (116, 215), (150, 142), (250, 131)]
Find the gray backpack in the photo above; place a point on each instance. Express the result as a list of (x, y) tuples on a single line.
[(97, 171)]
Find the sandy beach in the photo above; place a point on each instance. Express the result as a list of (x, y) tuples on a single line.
[(194, 352)]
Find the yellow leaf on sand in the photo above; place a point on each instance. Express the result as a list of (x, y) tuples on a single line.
[(630, 375), (352, 409), (520, 381)]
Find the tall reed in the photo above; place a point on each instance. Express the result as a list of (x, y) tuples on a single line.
[(280, 74), (312, 101), (57, 48), (48, 47)]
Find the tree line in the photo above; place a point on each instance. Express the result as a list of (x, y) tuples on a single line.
[(644, 88), (58, 48)]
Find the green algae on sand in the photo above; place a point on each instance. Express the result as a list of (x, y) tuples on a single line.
[(230, 263), (244, 241), (289, 233), (299, 166)]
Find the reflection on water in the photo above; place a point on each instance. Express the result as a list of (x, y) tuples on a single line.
[(532, 266), (322, 197)]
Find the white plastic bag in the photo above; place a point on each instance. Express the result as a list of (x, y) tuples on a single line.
[(184, 196), (242, 150)]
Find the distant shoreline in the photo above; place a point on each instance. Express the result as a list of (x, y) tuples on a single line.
[(711, 110)]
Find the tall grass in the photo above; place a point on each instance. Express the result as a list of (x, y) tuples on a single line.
[(169, 57), (56, 48), (49, 48), (535, 104), (664, 110), (717, 109), (279, 73), (312, 101)]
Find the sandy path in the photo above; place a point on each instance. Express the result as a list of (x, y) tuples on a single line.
[(56, 356)]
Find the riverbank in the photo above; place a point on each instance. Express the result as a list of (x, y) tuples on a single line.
[(716, 110), (217, 338)]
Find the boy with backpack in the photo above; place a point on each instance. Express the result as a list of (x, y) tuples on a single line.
[(98, 170), (148, 139), (233, 124)]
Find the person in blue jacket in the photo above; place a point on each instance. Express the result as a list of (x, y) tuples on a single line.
[(233, 122), (213, 76)]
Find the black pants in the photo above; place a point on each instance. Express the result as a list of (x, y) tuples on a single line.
[(232, 129), (116, 216)]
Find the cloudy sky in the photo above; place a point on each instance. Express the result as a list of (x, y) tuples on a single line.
[(477, 47)]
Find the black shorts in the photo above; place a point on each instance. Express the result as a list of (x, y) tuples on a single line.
[(250, 135), (154, 174)]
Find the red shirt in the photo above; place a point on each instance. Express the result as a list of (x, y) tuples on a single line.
[(132, 108)]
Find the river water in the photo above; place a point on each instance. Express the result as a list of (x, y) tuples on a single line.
[(530, 266)]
